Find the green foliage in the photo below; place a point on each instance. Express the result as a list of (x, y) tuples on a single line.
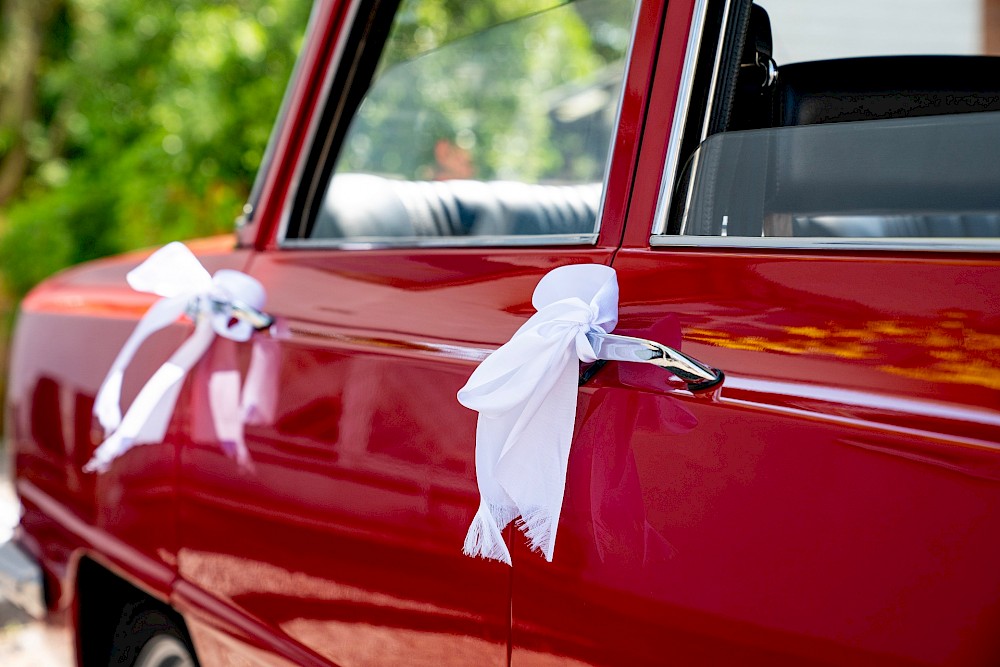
[(489, 77), (151, 117)]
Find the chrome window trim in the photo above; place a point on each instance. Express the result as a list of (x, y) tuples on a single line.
[(719, 45), (824, 243), (381, 242), (590, 238), (681, 108)]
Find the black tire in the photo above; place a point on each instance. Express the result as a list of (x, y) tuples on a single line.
[(147, 636)]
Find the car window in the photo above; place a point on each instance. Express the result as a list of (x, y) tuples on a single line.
[(875, 134), (495, 122), (906, 177)]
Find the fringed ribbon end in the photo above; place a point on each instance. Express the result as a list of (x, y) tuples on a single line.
[(485, 536), (538, 527)]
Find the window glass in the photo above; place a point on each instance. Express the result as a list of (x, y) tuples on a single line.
[(484, 119), (908, 177), (851, 119)]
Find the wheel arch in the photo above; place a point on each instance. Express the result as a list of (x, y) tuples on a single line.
[(102, 600)]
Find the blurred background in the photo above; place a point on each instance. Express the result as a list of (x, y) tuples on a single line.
[(130, 123)]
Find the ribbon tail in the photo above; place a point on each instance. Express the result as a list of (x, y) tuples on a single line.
[(148, 417), (107, 403), (510, 375), (485, 536), (496, 509), (555, 363), (532, 470), (526, 395), (521, 461)]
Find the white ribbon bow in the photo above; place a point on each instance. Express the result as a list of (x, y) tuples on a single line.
[(175, 274), (526, 394)]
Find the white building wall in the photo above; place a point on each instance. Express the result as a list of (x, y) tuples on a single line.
[(819, 29)]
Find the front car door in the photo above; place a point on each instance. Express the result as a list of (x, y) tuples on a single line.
[(828, 238), (448, 170)]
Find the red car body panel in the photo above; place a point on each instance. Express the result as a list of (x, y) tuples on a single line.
[(836, 502), (54, 379), (376, 471), (813, 508)]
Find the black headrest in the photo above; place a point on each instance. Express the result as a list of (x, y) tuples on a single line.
[(752, 96), (758, 40), (830, 91)]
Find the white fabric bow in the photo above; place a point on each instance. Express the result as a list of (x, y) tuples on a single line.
[(174, 273), (526, 394)]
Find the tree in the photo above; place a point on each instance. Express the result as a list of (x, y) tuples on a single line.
[(126, 123)]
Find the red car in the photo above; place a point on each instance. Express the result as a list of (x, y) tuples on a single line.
[(824, 231)]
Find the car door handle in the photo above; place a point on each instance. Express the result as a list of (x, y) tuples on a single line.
[(239, 310), (612, 347)]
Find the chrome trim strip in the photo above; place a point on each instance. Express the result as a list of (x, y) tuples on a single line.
[(371, 243), (823, 243), (854, 422), (680, 115), (687, 200), (317, 114), (712, 89), (898, 404), (715, 70)]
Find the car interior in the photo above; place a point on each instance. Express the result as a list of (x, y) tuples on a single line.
[(894, 156), (368, 206), (356, 202)]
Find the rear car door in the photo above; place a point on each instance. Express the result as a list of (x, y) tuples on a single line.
[(443, 174), (828, 238)]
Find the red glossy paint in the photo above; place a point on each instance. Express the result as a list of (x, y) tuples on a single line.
[(836, 502), (362, 491), (632, 122), (662, 98), (68, 333)]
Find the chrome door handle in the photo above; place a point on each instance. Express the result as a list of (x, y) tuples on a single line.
[(236, 309), (612, 347), (258, 319)]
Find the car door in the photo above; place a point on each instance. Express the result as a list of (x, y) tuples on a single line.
[(485, 151), (837, 501)]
